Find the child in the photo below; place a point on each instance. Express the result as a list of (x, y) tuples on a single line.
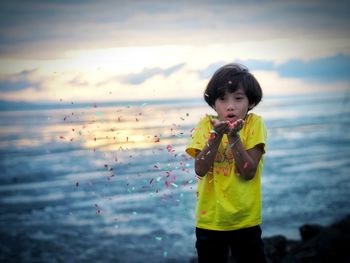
[(228, 151)]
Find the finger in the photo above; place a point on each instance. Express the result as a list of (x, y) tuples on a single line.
[(223, 124), (224, 129), (239, 124), (214, 122), (235, 125), (220, 127)]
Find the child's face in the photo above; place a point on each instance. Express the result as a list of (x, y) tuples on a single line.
[(232, 106)]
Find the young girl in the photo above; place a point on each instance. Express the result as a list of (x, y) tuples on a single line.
[(228, 151)]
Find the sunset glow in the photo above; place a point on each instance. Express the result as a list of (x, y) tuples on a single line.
[(134, 51)]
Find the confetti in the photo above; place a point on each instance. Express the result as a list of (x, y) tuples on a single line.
[(212, 136), (98, 210), (156, 138), (245, 165), (225, 173)]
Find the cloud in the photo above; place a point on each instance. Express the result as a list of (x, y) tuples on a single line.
[(167, 72), (40, 29), (9, 86), (78, 81), (335, 68), (209, 70), (254, 64), (273, 84), (17, 82), (170, 82), (139, 78), (331, 69)]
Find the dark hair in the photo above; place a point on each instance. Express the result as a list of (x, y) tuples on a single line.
[(230, 78)]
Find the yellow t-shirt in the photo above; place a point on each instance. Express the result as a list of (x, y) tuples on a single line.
[(225, 201)]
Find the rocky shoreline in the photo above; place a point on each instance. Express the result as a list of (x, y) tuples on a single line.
[(318, 244)]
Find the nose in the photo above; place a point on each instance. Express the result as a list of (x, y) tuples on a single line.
[(230, 106)]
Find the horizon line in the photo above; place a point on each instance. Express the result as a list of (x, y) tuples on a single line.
[(32, 105)]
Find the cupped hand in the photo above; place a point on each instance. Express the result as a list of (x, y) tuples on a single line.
[(235, 127), (230, 128), (220, 126)]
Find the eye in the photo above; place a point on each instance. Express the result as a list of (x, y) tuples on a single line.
[(221, 98), (239, 98)]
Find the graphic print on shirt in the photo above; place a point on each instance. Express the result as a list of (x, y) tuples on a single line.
[(224, 156)]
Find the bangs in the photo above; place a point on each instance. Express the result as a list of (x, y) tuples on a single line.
[(230, 85)]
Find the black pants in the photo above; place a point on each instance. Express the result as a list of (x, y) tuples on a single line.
[(245, 244)]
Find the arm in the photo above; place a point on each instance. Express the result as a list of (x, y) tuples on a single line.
[(246, 161), (205, 158)]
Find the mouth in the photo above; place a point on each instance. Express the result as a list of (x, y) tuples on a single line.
[(231, 117)]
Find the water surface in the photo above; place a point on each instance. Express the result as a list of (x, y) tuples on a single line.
[(111, 183)]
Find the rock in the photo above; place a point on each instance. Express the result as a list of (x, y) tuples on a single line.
[(331, 244), (309, 231), (276, 247)]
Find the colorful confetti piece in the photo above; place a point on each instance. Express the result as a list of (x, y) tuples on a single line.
[(245, 166)]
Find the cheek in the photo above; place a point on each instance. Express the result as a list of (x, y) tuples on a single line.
[(217, 106)]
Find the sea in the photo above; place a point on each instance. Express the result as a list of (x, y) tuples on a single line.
[(110, 182)]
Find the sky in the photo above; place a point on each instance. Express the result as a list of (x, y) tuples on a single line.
[(94, 51)]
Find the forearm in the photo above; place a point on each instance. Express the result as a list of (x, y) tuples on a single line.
[(245, 164), (205, 158)]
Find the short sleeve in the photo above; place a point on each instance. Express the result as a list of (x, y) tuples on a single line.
[(256, 133), (199, 137)]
